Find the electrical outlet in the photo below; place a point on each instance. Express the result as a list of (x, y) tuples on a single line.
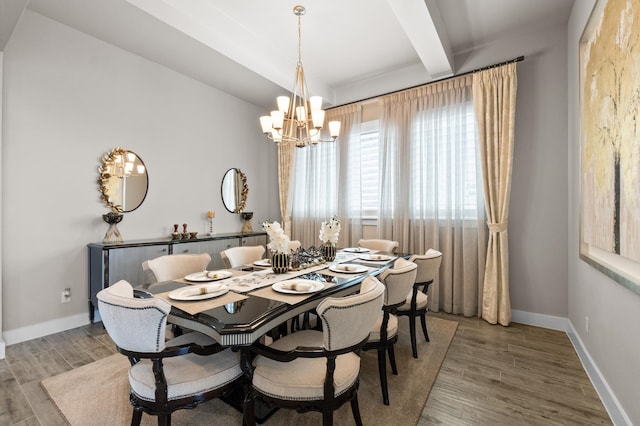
[(586, 324), (65, 296)]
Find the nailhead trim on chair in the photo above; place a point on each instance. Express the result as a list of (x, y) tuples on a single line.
[(159, 338)]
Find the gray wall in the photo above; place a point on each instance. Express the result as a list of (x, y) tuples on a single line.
[(68, 99), (613, 340)]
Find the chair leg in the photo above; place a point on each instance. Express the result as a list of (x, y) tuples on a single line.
[(164, 419), (355, 409), (392, 360), (136, 418), (423, 321), (327, 418), (248, 411), (382, 369), (412, 332)]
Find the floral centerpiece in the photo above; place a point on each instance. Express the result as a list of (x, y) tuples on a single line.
[(279, 246), (329, 232)]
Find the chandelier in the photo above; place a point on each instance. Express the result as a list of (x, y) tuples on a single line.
[(297, 119)]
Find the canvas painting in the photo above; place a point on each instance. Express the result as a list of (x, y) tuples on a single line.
[(610, 140)]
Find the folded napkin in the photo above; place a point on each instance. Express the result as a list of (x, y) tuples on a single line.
[(197, 291), (297, 286), (378, 257), (348, 268), (218, 274)]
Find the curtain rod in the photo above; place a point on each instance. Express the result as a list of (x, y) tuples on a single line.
[(499, 64)]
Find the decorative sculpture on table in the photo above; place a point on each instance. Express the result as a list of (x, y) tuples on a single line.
[(279, 246), (247, 216), (329, 232)]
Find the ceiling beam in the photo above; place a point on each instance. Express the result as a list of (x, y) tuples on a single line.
[(10, 13), (423, 25)]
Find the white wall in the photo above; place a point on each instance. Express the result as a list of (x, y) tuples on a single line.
[(68, 99), (613, 340)]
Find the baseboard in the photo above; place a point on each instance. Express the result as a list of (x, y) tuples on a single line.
[(2, 346), (611, 404), (540, 320), (34, 331)]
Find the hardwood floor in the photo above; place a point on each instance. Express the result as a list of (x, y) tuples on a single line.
[(491, 375)]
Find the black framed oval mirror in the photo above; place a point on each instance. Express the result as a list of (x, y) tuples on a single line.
[(234, 190), (123, 180)]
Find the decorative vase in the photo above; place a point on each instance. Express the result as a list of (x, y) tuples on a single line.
[(113, 234), (329, 251), (280, 263)]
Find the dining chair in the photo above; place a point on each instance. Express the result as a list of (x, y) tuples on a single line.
[(164, 376), (294, 245), (316, 370), (381, 245), (238, 256), (173, 266), (417, 299), (398, 281)]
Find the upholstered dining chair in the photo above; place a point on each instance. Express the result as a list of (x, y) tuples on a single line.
[(417, 299), (316, 370), (381, 245), (398, 281), (165, 376), (172, 266), (294, 245), (238, 256)]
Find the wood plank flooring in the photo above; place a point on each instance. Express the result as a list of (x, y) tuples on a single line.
[(491, 375)]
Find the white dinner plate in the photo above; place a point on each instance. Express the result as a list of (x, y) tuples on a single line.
[(305, 286), (348, 268), (357, 250), (187, 293), (262, 262), (375, 257), (206, 276)]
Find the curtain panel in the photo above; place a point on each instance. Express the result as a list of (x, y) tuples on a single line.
[(431, 187), (327, 182), (494, 94)]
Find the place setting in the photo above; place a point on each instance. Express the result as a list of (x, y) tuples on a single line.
[(207, 276), (287, 290)]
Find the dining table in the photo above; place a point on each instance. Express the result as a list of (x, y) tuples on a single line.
[(243, 304)]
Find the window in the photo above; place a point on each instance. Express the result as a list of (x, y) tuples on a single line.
[(369, 171), (445, 142)]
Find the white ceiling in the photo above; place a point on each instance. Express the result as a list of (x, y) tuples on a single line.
[(351, 49)]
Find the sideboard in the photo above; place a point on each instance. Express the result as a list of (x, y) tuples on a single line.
[(112, 262)]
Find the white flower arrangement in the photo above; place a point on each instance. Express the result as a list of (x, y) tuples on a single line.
[(278, 240), (329, 231)]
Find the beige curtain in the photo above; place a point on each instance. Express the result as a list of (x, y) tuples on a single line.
[(429, 163), (286, 160), (494, 98), (327, 181)]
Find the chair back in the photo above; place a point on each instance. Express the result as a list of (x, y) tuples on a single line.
[(347, 321), (382, 245), (398, 281), (133, 324), (238, 256), (428, 265), (173, 266), (294, 245)]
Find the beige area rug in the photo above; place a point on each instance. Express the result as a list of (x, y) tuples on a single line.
[(98, 393)]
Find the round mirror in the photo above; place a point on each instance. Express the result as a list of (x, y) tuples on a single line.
[(234, 190), (123, 180)]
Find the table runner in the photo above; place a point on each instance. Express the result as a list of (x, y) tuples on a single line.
[(264, 278)]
